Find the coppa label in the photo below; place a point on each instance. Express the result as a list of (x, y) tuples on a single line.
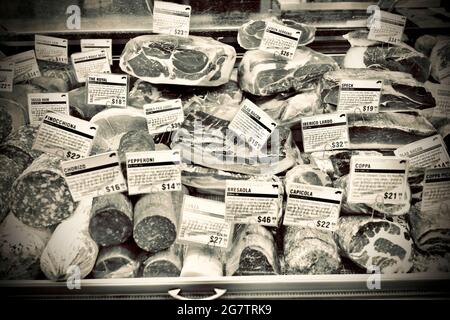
[(435, 193), (96, 44), (6, 76), (50, 49), (90, 62), (164, 116), (107, 89), (203, 222), (171, 18), (378, 180), (65, 136), (94, 176), (428, 152), (252, 125), (25, 66), (39, 104), (387, 27), (313, 206), (252, 202), (153, 171), (325, 132), (360, 96), (280, 39), (442, 97)]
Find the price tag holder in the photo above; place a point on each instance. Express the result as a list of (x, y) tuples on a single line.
[(325, 132), (360, 96), (164, 116), (153, 171), (313, 206), (39, 104), (253, 202), (378, 179), (6, 76), (107, 89), (90, 62), (252, 125), (436, 189), (387, 27), (25, 66), (51, 49), (97, 44), (171, 18), (442, 97), (203, 222), (94, 176), (280, 40), (65, 136), (426, 153)]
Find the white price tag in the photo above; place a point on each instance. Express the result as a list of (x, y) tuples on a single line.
[(442, 97), (39, 104), (25, 66), (280, 39), (65, 136), (203, 222), (164, 116), (90, 62), (325, 132), (313, 206), (378, 180), (429, 152), (171, 18), (51, 49), (360, 96), (443, 74), (107, 89), (96, 44), (252, 124), (387, 27), (253, 202), (436, 190), (153, 171), (6, 76), (94, 176)]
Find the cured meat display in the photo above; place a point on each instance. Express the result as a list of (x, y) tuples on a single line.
[(119, 261), (166, 263)]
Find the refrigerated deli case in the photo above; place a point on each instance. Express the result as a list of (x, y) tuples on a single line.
[(330, 29)]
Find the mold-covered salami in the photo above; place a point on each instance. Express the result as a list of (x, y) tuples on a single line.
[(120, 261), (166, 263), (9, 171)]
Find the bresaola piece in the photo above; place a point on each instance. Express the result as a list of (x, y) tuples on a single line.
[(170, 59)]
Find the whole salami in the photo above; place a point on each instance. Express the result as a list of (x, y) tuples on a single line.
[(166, 263)]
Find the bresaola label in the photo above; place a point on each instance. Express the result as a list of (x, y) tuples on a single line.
[(360, 96), (164, 116), (51, 49), (97, 44), (107, 89), (387, 27), (25, 66), (171, 18), (280, 40), (90, 62), (40, 104), (6, 76)]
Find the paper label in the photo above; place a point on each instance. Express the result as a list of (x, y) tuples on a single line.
[(65, 136), (387, 27), (436, 190), (51, 49), (25, 66), (444, 73), (313, 206), (94, 176), (378, 180), (442, 97), (252, 124), (39, 104), (325, 132), (280, 39), (164, 116), (360, 96), (255, 202), (96, 44), (171, 18), (90, 62), (153, 171), (107, 89), (203, 222), (426, 153), (6, 76)]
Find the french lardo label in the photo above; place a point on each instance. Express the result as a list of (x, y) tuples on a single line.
[(65, 136), (25, 66), (51, 49), (94, 176), (325, 132), (107, 89), (164, 116), (39, 104), (387, 27), (378, 180), (253, 202), (252, 124), (171, 18), (90, 62), (280, 39), (426, 153), (203, 222), (442, 97), (359, 96), (153, 171), (96, 44), (312, 206), (435, 193), (6, 76)]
